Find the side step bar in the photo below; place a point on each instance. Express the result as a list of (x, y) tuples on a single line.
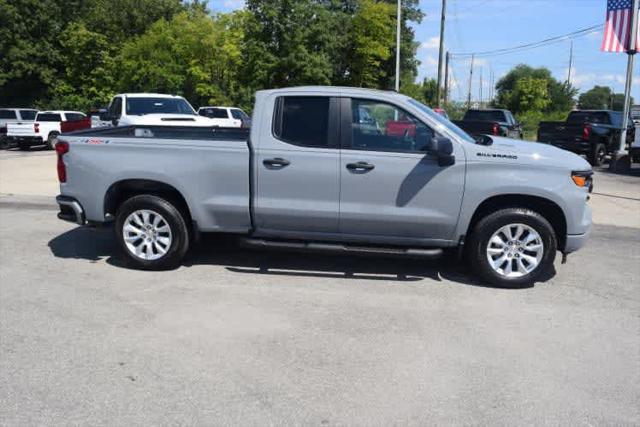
[(339, 248)]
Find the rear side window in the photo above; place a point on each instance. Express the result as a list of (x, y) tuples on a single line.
[(74, 116), (303, 120), (215, 113), (28, 114), (48, 117), (580, 117), (238, 114), (8, 114), (616, 119)]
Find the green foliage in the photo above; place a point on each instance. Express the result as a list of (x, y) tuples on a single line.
[(424, 92), (601, 97), (513, 96)]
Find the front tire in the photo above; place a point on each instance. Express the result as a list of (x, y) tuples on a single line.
[(512, 248), (152, 233)]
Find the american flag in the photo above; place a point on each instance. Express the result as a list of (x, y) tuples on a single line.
[(617, 29)]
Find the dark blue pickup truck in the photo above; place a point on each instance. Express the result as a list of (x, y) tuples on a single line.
[(594, 133)]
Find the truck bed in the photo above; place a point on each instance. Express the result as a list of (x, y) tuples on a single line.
[(210, 165)]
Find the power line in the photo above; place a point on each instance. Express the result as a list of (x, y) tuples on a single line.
[(532, 45)]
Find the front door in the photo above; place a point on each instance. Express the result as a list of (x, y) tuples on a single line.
[(390, 187), (297, 164)]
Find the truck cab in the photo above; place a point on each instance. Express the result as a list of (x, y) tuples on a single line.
[(129, 109)]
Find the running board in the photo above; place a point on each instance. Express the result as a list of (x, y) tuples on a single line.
[(339, 248)]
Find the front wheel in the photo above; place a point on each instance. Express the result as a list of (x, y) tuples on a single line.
[(152, 233), (512, 248)]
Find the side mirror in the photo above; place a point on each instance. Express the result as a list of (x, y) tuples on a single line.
[(442, 148)]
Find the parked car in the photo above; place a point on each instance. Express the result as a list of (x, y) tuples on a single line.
[(490, 122), (226, 116), (634, 149), (129, 109), (306, 178), (46, 127), (594, 133), (13, 115)]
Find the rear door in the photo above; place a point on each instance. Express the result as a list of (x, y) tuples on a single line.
[(297, 186), (391, 189)]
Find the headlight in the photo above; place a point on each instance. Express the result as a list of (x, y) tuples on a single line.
[(583, 179)]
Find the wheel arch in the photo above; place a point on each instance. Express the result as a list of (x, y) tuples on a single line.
[(550, 210), (124, 189)]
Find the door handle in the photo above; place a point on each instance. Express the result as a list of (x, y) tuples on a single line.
[(360, 166), (278, 162)]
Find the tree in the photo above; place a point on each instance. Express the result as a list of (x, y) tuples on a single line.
[(193, 54), (601, 97), (560, 96), (424, 92)]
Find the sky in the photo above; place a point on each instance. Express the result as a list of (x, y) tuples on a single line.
[(480, 25)]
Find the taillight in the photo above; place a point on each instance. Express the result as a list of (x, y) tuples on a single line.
[(36, 127), (62, 148), (496, 129), (586, 132)]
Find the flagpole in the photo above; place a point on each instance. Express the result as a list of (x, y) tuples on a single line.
[(622, 149)]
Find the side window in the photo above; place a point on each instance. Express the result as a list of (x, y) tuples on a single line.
[(237, 114), (380, 126), (8, 114), (510, 118), (74, 116), (303, 120), (115, 109)]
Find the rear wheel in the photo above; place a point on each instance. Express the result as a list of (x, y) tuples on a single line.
[(51, 140), (512, 248), (598, 154), (152, 233)]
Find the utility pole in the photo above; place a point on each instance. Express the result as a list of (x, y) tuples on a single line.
[(570, 64), (398, 46), (440, 53), (480, 87), (470, 80), (446, 79)]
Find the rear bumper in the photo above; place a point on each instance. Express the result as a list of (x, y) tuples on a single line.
[(70, 210), (34, 140), (579, 146)]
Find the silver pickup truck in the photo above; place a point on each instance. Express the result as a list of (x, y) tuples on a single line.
[(334, 169)]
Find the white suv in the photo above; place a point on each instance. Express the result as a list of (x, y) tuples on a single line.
[(231, 117), (128, 109)]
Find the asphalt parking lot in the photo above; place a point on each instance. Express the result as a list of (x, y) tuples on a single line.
[(248, 338)]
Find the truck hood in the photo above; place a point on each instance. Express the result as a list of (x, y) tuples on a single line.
[(170, 120), (529, 153)]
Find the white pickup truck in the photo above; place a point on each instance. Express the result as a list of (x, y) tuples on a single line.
[(13, 115), (46, 127), (132, 109), (231, 117)]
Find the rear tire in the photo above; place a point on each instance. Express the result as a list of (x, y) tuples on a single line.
[(152, 233), (512, 248), (598, 154), (50, 140)]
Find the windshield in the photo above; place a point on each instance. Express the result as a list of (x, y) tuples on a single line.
[(442, 122), (142, 106), (485, 116)]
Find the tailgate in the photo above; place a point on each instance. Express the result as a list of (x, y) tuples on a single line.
[(21, 129)]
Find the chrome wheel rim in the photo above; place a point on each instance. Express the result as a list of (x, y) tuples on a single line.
[(147, 235), (515, 250)]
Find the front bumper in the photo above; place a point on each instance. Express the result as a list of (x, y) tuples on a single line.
[(70, 210)]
